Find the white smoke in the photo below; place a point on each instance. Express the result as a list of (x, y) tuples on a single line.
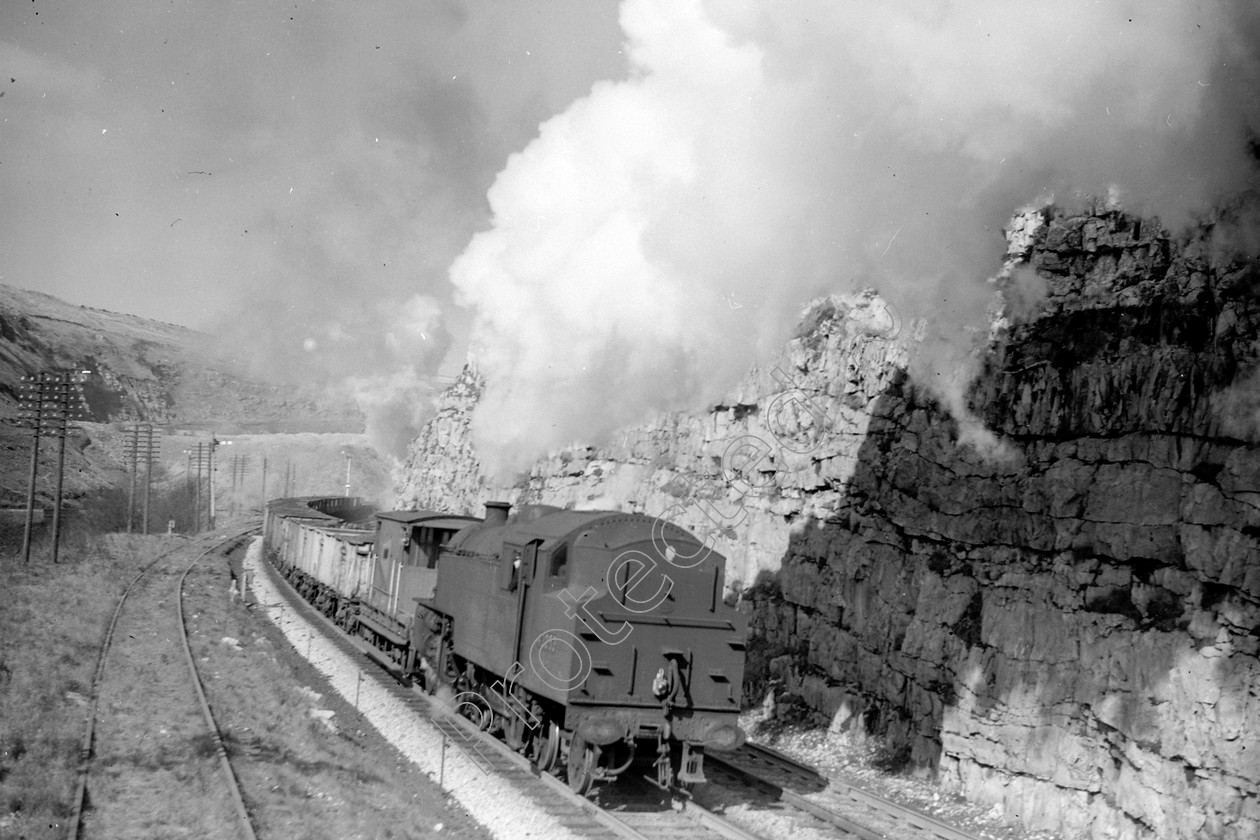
[(398, 397), (661, 233)]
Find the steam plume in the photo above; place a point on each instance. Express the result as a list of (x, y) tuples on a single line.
[(663, 231)]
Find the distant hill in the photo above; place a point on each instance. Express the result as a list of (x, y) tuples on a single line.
[(151, 371)]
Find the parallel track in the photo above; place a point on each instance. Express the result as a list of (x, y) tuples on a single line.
[(87, 751), (834, 802), (575, 812)]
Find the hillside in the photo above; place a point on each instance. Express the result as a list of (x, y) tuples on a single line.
[(139, 370), (151, 371)]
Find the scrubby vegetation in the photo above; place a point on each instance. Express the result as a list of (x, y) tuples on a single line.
[(52, 619), (310, 766)]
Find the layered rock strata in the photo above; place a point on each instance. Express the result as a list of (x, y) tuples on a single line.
[(1070, 627)]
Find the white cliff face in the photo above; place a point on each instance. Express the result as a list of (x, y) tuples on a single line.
[(1072, 632), (779, 451)]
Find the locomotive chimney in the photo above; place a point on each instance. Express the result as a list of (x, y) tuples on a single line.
[(497, 512)]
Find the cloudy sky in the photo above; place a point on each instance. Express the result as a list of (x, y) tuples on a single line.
[(295, 176), (172, 158), (617, 207)]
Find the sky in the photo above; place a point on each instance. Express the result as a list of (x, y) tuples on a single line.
[(294, 177), (158, 157), (615, 207)]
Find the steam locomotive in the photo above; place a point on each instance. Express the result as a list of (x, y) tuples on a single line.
[(587, 640)]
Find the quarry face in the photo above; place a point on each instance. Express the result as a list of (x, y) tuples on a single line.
[(1060, 615)]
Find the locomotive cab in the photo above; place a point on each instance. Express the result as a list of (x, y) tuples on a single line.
[(402, 573)]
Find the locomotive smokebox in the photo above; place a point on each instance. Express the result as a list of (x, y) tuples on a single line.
[(497, 512)]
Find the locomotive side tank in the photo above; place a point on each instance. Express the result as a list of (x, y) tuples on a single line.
[(590, 635)]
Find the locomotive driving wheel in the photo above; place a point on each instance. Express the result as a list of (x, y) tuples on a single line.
[(583, 759)]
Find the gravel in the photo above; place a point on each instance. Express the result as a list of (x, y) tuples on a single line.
[(863, 763), (490, 800)]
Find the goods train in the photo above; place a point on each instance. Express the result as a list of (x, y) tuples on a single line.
[(585, 639)]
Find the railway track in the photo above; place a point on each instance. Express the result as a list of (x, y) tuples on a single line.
[(830, 802), (154, 739), (631, 814)]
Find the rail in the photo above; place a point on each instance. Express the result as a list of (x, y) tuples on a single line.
[(757, 758), (238, 801), (87, 744)]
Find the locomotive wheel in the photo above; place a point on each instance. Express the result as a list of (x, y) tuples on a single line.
[(544, 748), (476, 709), (583, 759)]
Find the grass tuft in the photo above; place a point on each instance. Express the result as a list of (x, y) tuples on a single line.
[(51, 628)]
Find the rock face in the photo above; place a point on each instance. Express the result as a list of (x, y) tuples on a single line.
[(781, 450), (1071, 631)]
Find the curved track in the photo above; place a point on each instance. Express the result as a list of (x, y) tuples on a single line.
[(151, 726)]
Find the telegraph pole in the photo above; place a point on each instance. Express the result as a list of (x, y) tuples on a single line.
[(197, 493), (50, 402), (61, 474), (204, 454), (131, 494), (188, 471), (214, 444), (198, 454), (210, 477), (148, 477), (31, 412), (143, 444), (239, 469)]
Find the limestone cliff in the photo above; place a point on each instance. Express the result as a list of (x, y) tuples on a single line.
[(1071, 631), (740, 473)]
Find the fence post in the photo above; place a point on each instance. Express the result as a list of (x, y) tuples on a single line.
[(442, 763)]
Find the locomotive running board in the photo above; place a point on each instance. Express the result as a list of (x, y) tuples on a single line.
[(385, 662)]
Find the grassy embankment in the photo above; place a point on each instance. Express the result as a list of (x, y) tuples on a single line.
[(52, 621), (302, 776)]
